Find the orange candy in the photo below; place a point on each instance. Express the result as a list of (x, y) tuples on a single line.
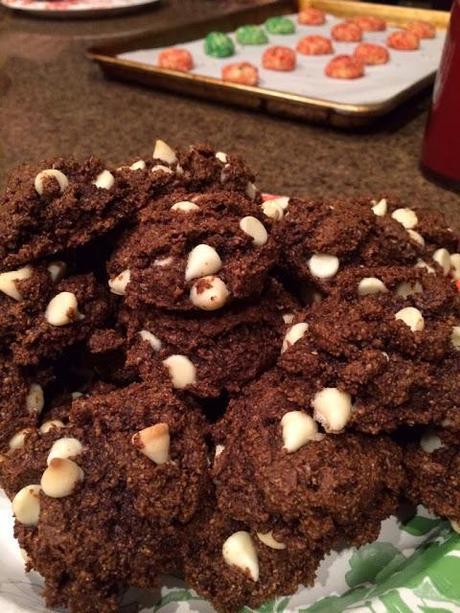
[(314, 45), (403, 40), (241, 72), (344, 67), (347, 32), (371, 54), (279, 58), (369, 23), (423, 29), (175, 59), (311, 17)]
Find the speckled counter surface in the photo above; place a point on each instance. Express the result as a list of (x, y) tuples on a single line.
[(53, 100)]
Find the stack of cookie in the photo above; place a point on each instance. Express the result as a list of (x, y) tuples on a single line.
[(196, 381)]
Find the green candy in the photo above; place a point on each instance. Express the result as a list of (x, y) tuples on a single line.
[(279, 25), (218, 44), (251, 35)]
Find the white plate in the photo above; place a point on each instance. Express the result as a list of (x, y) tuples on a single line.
[(75, 8)]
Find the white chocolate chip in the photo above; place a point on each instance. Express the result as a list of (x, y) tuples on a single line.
[(238, 550), (455, 338), (60, 478), (18, 439), (26, 505), (179, 170), (50, 173), (8, 281), (47, 426), (202, 260), (332, 409), (430, 442), (417, 237), (163, 152), (219, 450), (139, 165), (224, 173), (294, 334), (406, 217), (455, 266), (275, 207), (298, 429), (427, 267), (442, 257), (57, 270), (209, 293), (288, 318), (323, 266), (104, 180), (185, 206), (119, 283), (251, 190), (222, 157), (63, 310), (406, 289), (371, 285), (162, 168), (267, 539), (255, 229), (76, 395), (379, 208), (162, 262), (151, 339), (412, 317), (181, 370), (35, 399), (67, 447), (153, 442), (455, 525)]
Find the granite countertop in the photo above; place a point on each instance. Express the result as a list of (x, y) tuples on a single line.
[(53, 100)]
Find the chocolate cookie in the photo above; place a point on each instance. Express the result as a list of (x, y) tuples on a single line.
[(208, 353), (100, 505), (433, 473), (197, 256), (276, 471), (57, 205)]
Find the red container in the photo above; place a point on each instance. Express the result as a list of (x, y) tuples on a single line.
[(441, 146)]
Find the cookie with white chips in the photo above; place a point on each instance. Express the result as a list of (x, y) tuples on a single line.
[(198, 256), (208, 353), (232, 567), (432, 464), (117, 484), (285, 469), (58, 204)]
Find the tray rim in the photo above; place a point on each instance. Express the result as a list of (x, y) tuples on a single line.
[(105, 56)]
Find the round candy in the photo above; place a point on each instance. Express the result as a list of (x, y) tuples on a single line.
[(176, 59), (251, 35), (372, 55), (241, 72), (423, 29), (279, 58), (314, 45), (344, 67), (311, 17), (347, 32), (403, 40), (218, 44), (279, 25), (369, 23)]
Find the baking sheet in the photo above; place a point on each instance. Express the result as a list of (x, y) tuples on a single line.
[(380, 83)]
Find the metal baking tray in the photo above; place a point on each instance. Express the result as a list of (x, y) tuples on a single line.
[(313, 109)]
